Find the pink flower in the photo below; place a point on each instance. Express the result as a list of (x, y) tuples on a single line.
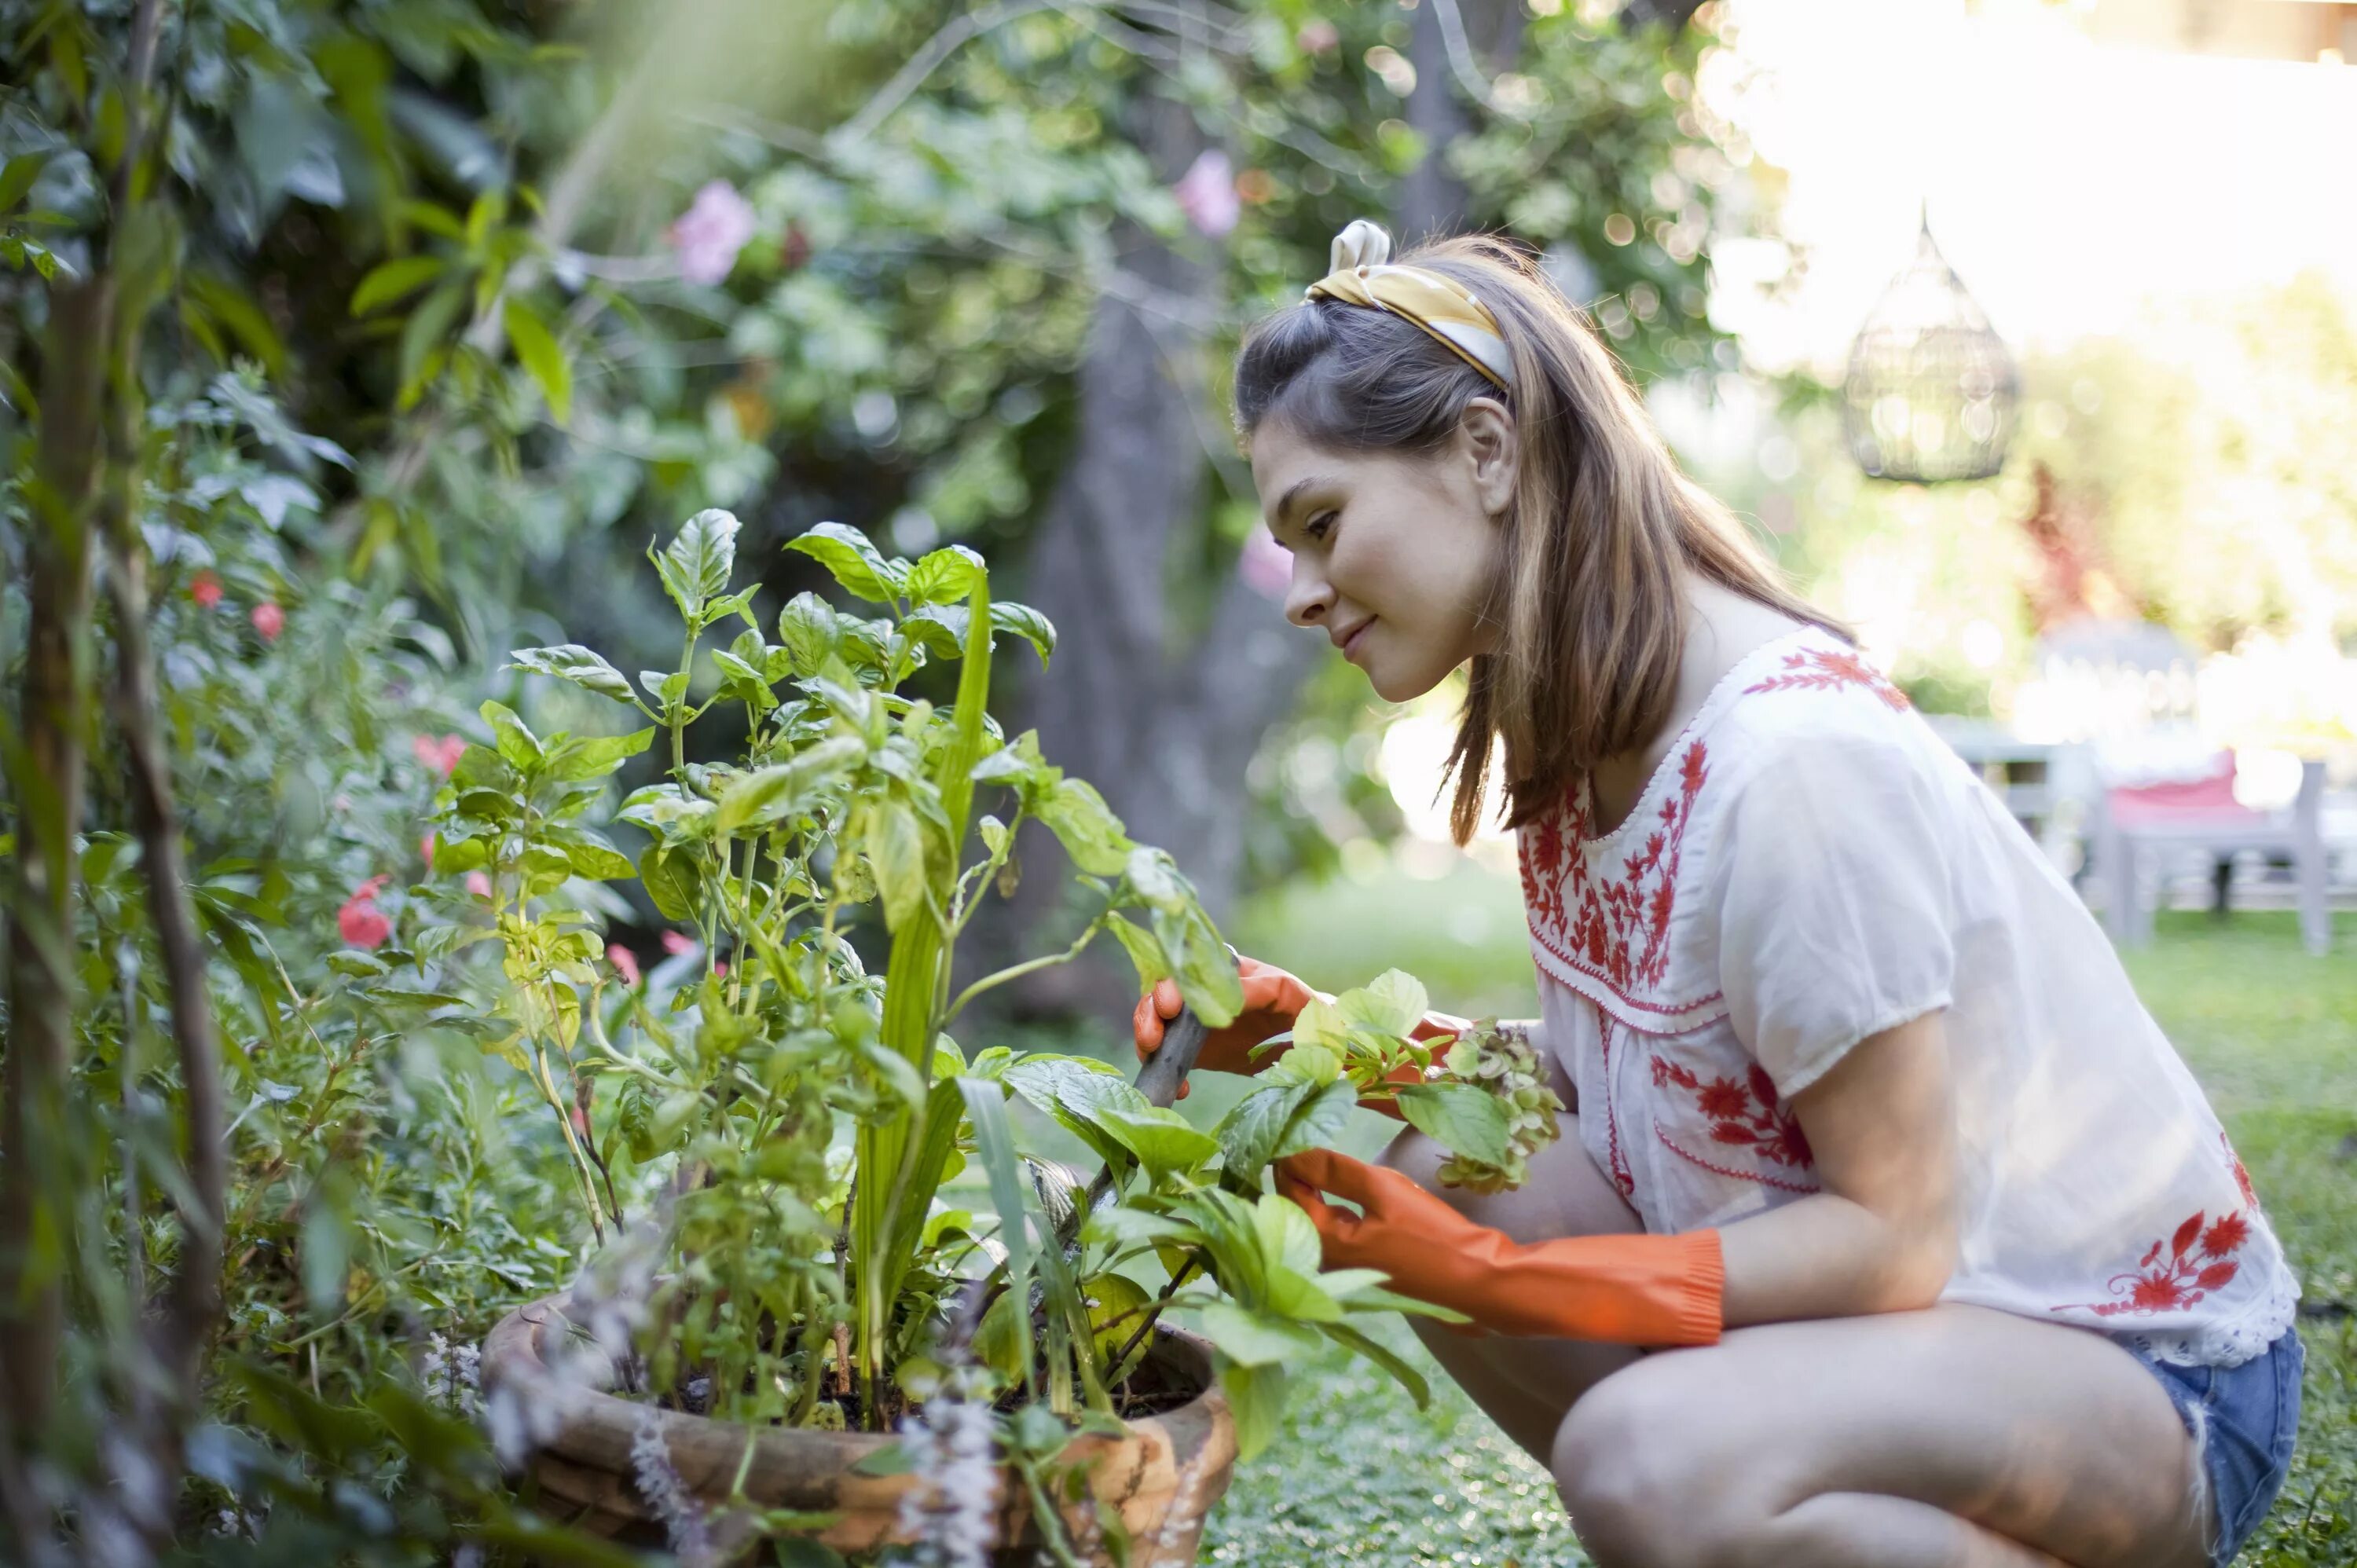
[(1207, 193), (1318, 35), (1265, 566), (441, 756), (720, 970), (708, 235), (625, 962), (425, 848), (675, 944), (478, 884), (206, 589), (360, 922), (269, 620)]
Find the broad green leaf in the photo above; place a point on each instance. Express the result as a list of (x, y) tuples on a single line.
[(1317, 1121), (772, 794), (855, 564), (1028, 624), (395, 279), (1114, 1297), (571, 661), (1308, 1061), (1257, 1398), (1087, 828), (807, 632), (1079, 1084), (453, 857), (1157, 878), (894, 843), (1248, 1135), (516, 742), (1115, 1226), (938, 629), (667, 812), (1144, 952), (596, 756), (1162, 1140), (1462, 1118), (674, 878), (945, 576), (1381, 1355), (698, 561), (1393, 1002), (1321, 1022), (1287, 1236), (993, 1144), (429, 323), (1253, 1339), (598, 860), (1205, 970)]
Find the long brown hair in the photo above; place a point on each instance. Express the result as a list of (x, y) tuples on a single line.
[(1585, 594)]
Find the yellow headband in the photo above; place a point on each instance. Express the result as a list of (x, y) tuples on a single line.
[(1439, 304)]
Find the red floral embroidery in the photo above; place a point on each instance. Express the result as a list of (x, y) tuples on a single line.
[(1762, 1178), (1614, 929), (2197, 1262), (1817, 670), (2242, 1177), (1746, 1114)]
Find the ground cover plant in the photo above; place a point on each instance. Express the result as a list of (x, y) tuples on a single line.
[(2270, 1032)]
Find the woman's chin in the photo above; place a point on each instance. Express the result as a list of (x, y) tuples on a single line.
[(1394, 686)]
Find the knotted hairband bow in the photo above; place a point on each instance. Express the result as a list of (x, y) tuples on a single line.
[(1440, 306)]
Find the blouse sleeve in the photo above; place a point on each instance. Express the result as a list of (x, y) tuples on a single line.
[(1836, 909)]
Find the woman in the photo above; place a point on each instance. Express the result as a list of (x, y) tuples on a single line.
[(1894, 1233)]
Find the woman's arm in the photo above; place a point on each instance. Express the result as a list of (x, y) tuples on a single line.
[(1881, 1236)]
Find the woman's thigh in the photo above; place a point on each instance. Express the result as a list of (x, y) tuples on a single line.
[(2051, 1436), (1525, 1385)]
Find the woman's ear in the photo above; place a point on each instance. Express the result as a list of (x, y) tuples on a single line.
[(1487, 436)]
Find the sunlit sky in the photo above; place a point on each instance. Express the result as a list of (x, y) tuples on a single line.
[(2066, 178)]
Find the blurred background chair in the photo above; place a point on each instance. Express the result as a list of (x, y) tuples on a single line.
[(2145, 826)]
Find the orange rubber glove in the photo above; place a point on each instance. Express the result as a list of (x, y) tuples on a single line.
[(1273, 999), (1623, 1290)]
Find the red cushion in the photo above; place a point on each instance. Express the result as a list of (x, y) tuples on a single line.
[(2206, 799)]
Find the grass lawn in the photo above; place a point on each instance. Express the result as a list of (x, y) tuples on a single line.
[(1360, 1475)]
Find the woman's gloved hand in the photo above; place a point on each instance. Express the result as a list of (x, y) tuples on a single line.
[(1272, 998), (1623, 1290)]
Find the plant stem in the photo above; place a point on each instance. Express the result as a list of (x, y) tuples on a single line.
[(1016, 971), (1154, 1314)]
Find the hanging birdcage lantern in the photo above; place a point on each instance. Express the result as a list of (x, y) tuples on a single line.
[(1932, 390)]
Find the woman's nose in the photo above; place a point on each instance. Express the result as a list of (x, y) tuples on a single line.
[(1307, 597)]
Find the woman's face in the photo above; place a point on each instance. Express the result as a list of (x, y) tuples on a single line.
[(1392, 553)]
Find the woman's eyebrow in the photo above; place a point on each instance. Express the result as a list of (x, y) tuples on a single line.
[(1292, 497)]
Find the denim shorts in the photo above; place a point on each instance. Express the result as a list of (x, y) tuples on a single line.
[(2243, 1420)]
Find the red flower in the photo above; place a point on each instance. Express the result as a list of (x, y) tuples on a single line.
[(425, 848), (2225, 1235), (206, 589), (360, 922), (675, 944), (478, 884), (441, 756), (1724, 1100), (269, 620), (625, 962)]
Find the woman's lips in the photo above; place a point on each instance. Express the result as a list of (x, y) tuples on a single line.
[(1351, 648)]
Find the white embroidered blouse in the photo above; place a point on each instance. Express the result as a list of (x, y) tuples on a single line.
[(1811, 865)]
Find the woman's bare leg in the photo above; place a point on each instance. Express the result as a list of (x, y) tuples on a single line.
[(1526, 1385), (1956, 1438)]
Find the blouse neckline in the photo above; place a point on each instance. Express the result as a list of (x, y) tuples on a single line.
[(1721, 694)]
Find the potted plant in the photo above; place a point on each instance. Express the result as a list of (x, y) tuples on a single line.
[(786, 1329)]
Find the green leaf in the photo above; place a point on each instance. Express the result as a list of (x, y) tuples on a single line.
[(1318, 1120), (1381, 1355), (993, 1143), (668, 813), (1086, 827), (516, 742), (938, 629), (945, 575), (395, 279), (596, 756), (855, 564), (597, 860), (429, 324), (1253, 1339), (1257, 1398), (1460, 1117), (699, 564), (1080, 1084), (894, 843), (16, 176), (773, 793), (1144, 952), (537, 348), (571, 661), (674, 878), (1028, 624), (1321, 1022), (1248, 1135), (1393, 1002), (1162, 1140), (807, 630)]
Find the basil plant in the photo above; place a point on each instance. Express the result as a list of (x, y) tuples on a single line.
[(781, 1117)]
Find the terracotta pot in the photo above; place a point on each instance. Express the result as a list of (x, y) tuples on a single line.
[(1161, 1479)]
